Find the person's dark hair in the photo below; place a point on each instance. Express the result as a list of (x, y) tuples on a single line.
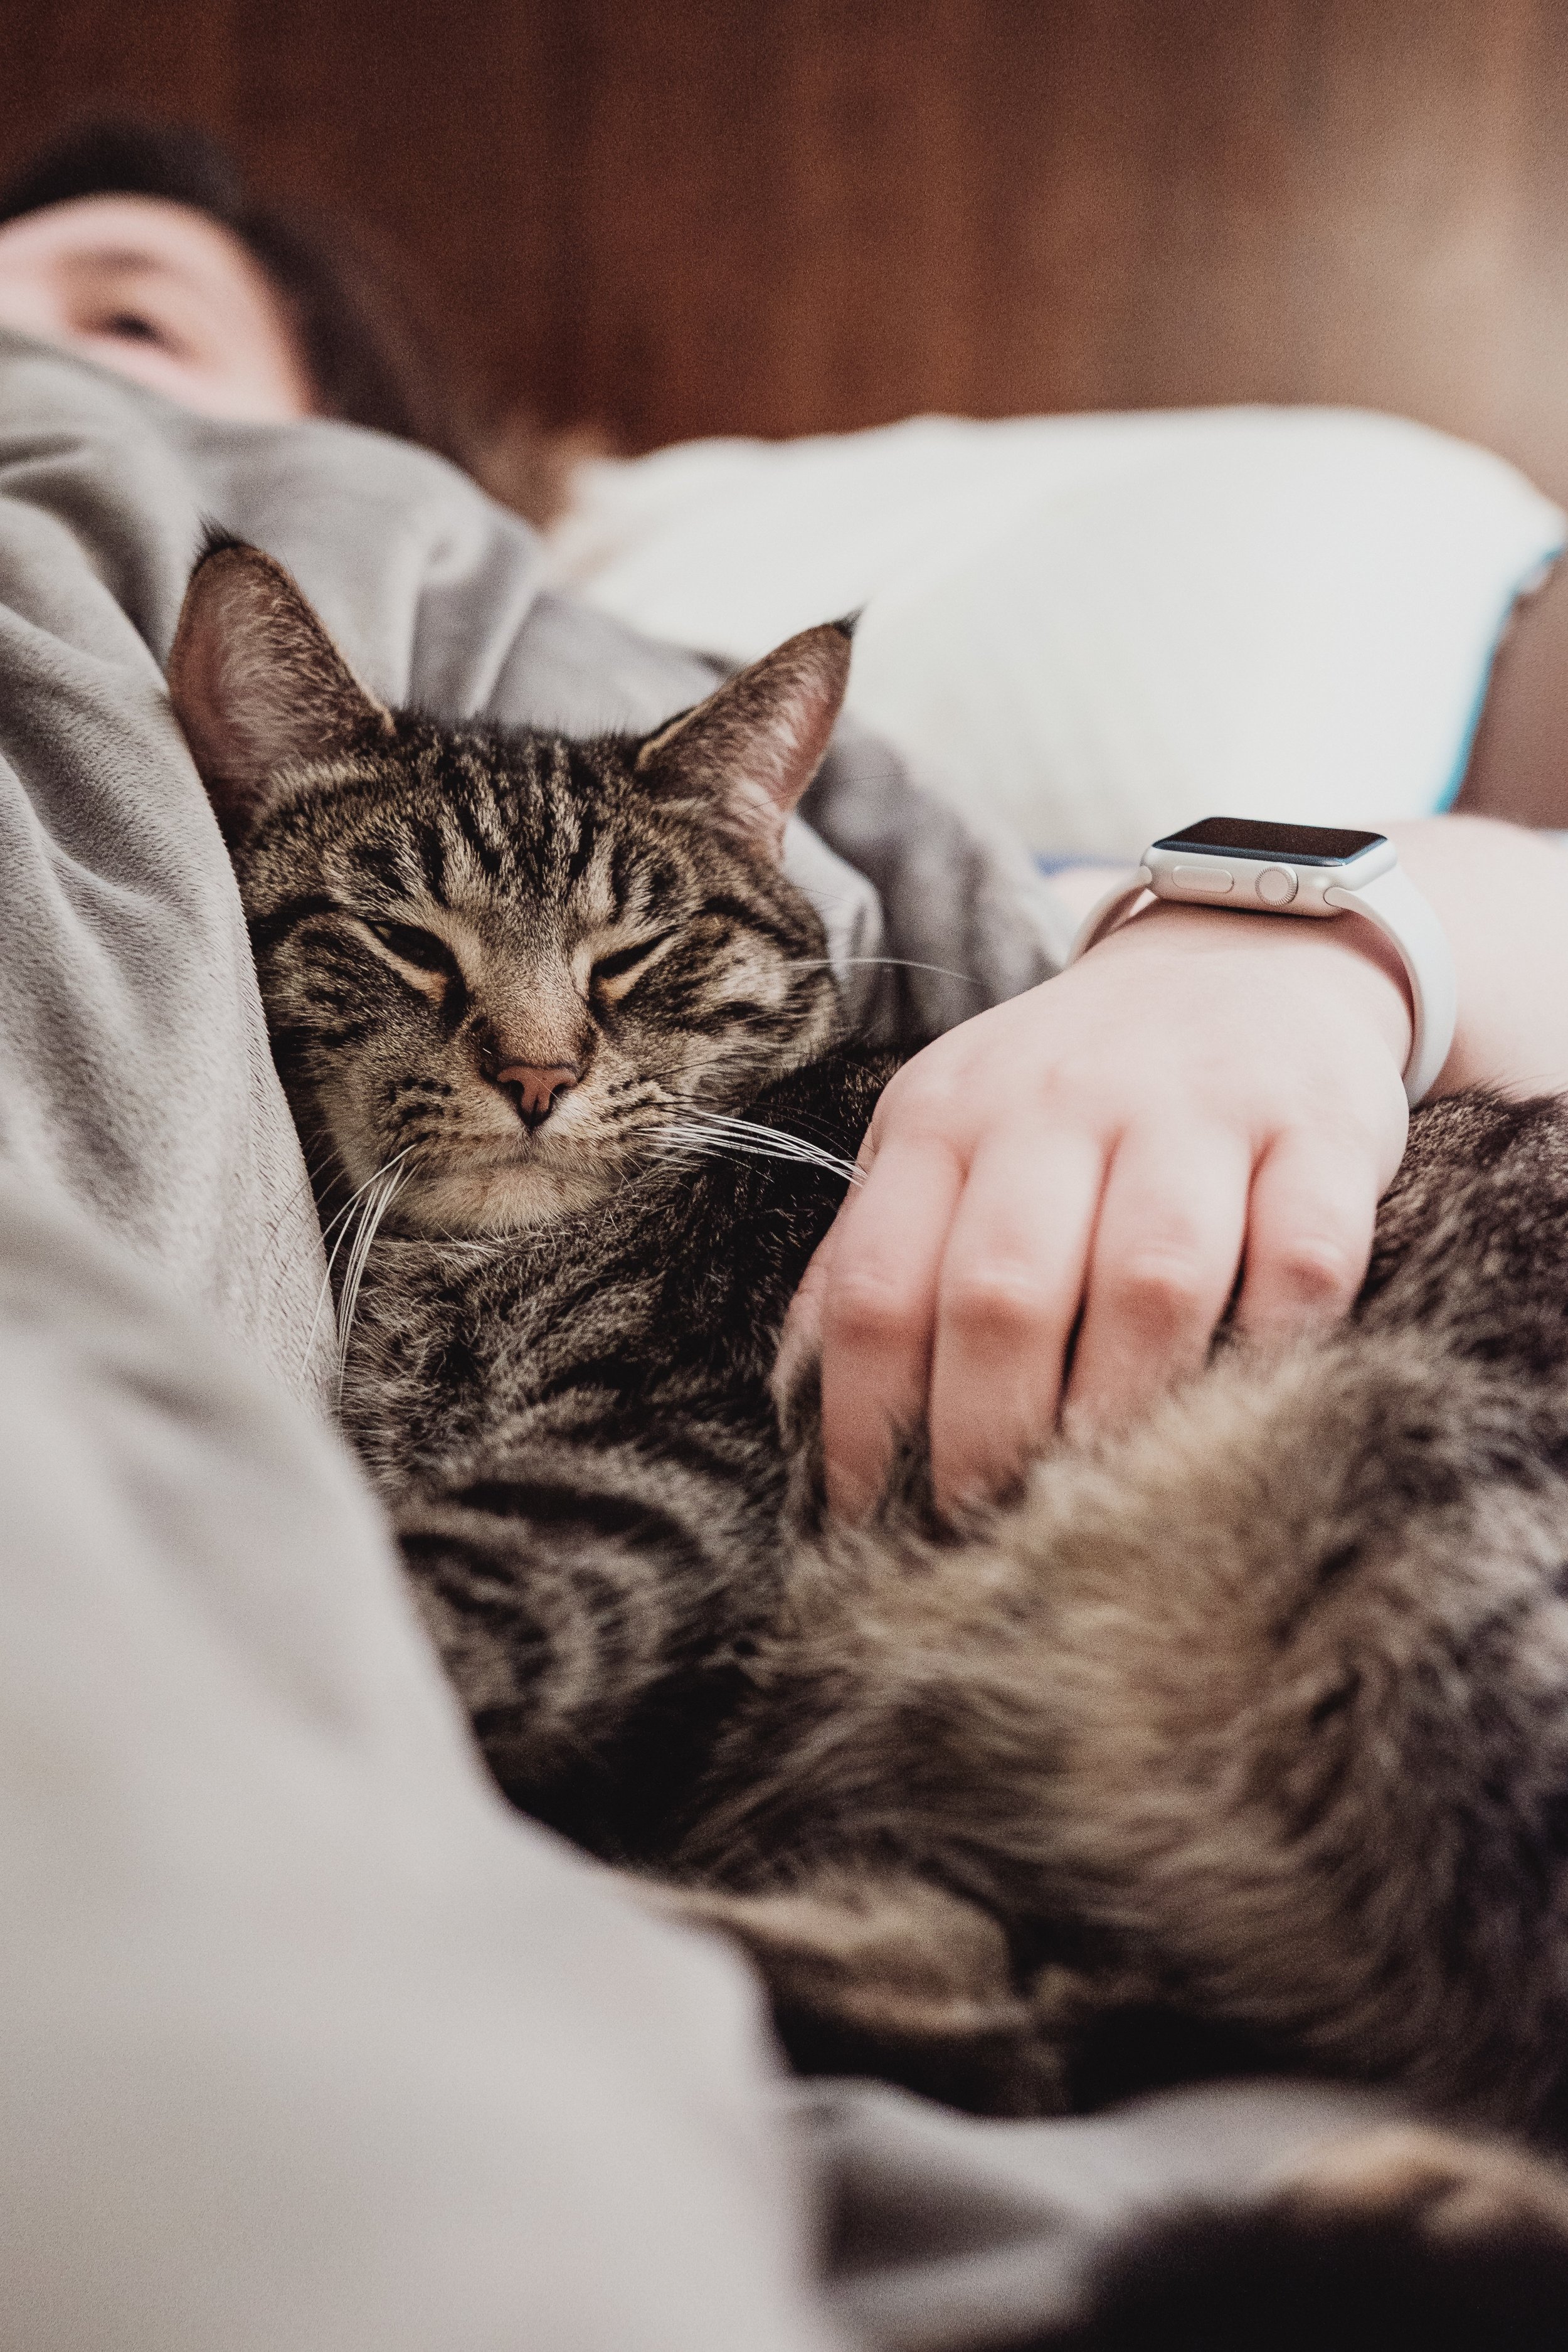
[(368, 359)]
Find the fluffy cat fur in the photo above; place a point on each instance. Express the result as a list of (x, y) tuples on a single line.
[(1240, 1740)]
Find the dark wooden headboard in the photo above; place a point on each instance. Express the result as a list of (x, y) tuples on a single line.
[(778, 216)]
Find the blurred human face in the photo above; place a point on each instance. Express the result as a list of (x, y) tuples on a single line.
[(159, 293)]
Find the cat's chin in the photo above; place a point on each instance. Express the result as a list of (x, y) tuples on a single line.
[(498, 1200)]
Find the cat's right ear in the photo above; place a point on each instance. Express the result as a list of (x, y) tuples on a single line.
[(258, 685), (745, 755)]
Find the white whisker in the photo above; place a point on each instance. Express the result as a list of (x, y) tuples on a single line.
[(325, 1292), (381, 1192), (705, 1132), (896, 963)]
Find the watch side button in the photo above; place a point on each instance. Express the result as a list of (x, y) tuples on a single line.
[(1276, 886), (1209, 881)]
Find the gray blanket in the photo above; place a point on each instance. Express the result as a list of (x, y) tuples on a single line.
[(305, 2040)]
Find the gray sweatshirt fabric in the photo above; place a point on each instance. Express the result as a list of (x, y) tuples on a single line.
[(305, 2040)]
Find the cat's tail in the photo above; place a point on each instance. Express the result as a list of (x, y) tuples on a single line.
[(1265, 1703)]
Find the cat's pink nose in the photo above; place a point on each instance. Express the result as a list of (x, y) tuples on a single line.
[(535, 1090)]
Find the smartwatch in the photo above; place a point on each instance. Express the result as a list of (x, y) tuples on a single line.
[(1315, 870)]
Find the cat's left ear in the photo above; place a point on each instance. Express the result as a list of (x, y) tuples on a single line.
[(258, 685), (748, 752)]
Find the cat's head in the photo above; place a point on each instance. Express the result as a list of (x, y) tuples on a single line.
[(503, 964)]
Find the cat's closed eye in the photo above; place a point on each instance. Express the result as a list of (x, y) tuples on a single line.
[(421, 949), (615, 973)]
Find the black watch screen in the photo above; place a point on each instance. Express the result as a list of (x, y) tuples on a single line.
[(1246, 836)]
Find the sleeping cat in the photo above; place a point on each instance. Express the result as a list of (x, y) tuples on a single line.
[(1242, 1739)]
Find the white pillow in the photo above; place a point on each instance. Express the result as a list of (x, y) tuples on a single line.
[(1101, 627)]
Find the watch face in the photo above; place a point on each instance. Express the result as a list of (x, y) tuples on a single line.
[(1245, 836)]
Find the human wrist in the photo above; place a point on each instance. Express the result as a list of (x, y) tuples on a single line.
[(1348, 957)]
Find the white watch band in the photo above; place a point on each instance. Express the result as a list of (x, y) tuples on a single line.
[(1391, 901), (1107, 912)]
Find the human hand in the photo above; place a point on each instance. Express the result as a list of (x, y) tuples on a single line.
[(1200, 1094)]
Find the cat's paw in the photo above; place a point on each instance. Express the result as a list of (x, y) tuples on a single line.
[(1402, 2239), (1452, 2190)]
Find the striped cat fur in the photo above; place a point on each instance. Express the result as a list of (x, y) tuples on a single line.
[(1240, 1741)]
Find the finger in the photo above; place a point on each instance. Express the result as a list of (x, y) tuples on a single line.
[(1167, 1243), (1309, 1236), (878, 1307), (1012, 1274), (801, 1338)]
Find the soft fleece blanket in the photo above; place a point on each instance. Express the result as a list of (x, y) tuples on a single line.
[(306, 2041)]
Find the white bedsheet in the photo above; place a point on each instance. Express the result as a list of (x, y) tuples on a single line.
[(1101, 627)]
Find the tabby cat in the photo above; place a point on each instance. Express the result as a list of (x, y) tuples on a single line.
[(1242, 1739)]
